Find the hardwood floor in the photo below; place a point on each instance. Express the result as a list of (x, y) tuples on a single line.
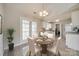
[(22, 50), (18, 51)]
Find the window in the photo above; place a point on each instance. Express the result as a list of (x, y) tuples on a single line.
[(46, 25), (25, 29), (34, 28), (28, 29)]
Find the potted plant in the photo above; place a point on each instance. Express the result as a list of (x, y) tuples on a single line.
[(10, 38)]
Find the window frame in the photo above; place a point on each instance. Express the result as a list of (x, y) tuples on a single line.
[(30, 27)]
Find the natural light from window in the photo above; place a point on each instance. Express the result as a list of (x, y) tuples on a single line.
[(28, 29)]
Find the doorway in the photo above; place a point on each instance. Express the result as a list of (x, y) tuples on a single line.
[(57, 30)]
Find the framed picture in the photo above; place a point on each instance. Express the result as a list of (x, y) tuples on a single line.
[(0, 24)]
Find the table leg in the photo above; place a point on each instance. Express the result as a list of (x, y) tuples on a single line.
[(44, 48)]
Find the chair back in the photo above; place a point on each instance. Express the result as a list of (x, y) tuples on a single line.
[(58, 42), (56, 46), (31, 47)]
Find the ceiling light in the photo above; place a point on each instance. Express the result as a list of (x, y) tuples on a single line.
[(46, 13), (70, 23), (40, 13), (57, 20), (43, 13)]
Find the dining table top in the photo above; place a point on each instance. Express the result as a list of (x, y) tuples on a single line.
[(45, 41)]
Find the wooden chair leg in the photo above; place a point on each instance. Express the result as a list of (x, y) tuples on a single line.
[(29, 53), (58, 53), (41, 53)]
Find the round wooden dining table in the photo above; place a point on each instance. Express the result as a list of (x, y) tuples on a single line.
[(44, 44)]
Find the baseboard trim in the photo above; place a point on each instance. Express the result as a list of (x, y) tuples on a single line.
[(19, 44), (16, 45)]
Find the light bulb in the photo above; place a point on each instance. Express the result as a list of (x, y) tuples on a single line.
[(71, 24), (44, 11), (57, 20), (44, 15), (40, 13)]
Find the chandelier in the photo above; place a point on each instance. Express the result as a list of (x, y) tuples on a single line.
[(43, 13)]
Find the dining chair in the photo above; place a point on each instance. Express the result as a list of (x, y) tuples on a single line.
[(52, 43), (32, 48), (55, 48)]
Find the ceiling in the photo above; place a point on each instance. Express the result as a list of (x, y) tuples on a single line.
[(55, 10)]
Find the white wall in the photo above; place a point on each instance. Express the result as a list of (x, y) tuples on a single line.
[(1, 9), (12, 20), (75, 18)]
